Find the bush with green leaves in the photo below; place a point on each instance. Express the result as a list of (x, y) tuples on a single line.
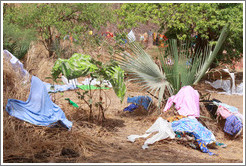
[(80, 65), (52, 20), (17, 40), (183, 21), (185, 68)]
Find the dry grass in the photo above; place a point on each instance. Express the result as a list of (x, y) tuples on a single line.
[(24, 142)]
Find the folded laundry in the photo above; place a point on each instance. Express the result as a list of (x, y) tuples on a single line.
[(39, 108), (145, 101), (186, 102)]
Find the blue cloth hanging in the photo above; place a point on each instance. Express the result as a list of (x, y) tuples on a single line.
[(39, 108)]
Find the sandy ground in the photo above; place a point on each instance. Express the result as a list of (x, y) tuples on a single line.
[(116, 149)]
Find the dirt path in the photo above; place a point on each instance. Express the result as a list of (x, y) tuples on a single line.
[(116, 149)]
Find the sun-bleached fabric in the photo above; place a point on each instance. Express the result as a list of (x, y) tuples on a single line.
[(163, 129), (186, 102)]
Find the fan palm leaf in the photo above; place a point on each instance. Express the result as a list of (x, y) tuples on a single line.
[(180, 66)]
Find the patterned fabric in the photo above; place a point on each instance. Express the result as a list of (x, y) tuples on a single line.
[(191, 125), (232, 125), (203, 147), (202, 144), (174, 118)]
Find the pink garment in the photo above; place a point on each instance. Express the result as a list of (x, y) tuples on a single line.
[(186, 102), (225, 113)]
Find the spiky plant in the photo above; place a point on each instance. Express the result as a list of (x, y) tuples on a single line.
[(186, 66)]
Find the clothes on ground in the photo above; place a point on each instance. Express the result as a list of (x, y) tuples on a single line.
[(232, 125), (16, 64), (90, 81), (131, 107), (191, 125), (145, 101), (174, 118), (186, 102), (92, 87), (72, 81), (58, 88), (72, 103), (202, 135), (163, 129), (224, 112), (38, 109), (231, 109)]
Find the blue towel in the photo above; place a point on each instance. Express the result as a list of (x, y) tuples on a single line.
[(232, 125), (131, 108), (140, 100), (39, 108)]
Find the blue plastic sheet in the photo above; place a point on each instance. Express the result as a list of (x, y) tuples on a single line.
[(38, 109), (145, 101)]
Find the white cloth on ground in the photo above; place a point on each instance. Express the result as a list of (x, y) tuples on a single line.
[(162, 126)]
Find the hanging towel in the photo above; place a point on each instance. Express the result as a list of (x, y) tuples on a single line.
[(38, 109), (186, 102)]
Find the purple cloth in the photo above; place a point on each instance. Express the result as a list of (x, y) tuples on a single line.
[(186, 102), (232, 125)]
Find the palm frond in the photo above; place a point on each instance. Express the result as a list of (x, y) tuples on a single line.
[(142, 68)]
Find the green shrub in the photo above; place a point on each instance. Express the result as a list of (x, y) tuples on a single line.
[(17, 40)]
